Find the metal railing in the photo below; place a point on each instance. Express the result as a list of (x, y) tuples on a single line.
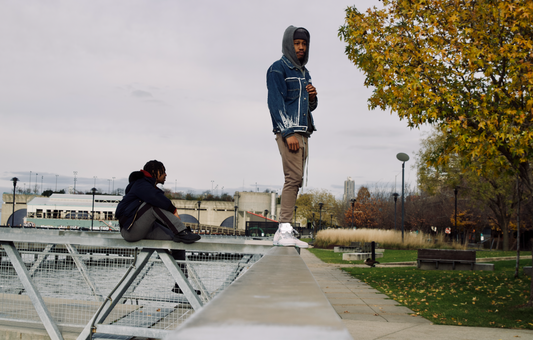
[(98, 283)]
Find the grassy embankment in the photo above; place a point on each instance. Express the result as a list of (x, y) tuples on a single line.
[(467, 298)]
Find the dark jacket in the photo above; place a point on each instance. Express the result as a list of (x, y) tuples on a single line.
[(141, 188), (288, 100)]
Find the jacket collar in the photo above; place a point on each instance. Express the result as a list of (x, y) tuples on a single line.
[(289, 64)]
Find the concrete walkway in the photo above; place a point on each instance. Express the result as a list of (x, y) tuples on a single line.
[(369, 315)]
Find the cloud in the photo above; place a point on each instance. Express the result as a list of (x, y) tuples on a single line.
[(141, 94), (102, 87)]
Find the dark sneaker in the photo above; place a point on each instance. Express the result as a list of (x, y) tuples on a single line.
[(186, 236)]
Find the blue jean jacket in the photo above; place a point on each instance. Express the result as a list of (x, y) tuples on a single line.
[(288, 100)]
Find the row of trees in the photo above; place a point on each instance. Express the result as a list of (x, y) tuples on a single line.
[(426, 211), (204, 196)]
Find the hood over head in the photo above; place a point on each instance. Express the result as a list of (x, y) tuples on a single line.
[(287, 46), (135, 176)]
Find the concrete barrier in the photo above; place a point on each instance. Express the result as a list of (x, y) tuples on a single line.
[(359, 256), (278, 298)]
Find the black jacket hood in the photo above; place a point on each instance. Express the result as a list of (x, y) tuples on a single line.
[(135, 176), (287, 47)]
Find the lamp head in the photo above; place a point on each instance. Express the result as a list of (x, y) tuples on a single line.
[(402, 157)]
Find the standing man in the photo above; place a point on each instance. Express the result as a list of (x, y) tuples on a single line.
[(291, 98)]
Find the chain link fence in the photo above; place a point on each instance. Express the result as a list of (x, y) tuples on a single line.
[(74, 281)]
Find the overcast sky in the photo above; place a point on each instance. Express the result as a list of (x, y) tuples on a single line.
[(101, 87)]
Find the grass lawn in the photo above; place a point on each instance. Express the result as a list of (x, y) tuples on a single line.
[(391, 255), (447, 297)]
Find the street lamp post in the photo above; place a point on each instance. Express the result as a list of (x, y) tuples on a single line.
[(395, 199), (455, 192), (331, 220), (320, 205), (313, 225), (15, 180), (92, 215), (235, 221), (199, 203), (353, 207), (402, 157)]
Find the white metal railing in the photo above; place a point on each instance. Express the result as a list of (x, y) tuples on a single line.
[(99, 283)]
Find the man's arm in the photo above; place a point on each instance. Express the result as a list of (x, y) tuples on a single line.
[(313, 97), (277, 93), (154, 196)]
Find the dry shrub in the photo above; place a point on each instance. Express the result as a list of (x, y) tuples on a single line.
[(390, 239)]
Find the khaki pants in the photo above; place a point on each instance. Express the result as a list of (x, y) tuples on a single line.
[(293, 169)]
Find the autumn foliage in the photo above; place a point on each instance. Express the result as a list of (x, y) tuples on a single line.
[(465, 66)]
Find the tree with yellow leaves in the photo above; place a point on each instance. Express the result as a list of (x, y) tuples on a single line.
[(465, 66)]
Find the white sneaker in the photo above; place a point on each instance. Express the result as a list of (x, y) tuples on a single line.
[(286, 237), (277, 236)]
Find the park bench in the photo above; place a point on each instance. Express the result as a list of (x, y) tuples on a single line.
[(439, 256)]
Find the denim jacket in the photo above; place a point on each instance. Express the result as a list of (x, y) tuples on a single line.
[(288, 100)]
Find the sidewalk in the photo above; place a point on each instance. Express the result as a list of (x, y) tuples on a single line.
[(369, 314)]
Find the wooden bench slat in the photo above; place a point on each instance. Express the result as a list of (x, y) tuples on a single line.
[(446, 256)]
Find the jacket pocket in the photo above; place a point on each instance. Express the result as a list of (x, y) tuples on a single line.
[(293, 88)]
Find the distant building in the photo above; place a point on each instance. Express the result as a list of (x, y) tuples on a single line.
[(76, 211), (349, 189)]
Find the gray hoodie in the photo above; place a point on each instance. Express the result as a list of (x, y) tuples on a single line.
[(287, 47)]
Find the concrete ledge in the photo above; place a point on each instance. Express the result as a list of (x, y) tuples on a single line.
[(114, 240), (458, 266), (345, 249), (278, 298), (359, 256)]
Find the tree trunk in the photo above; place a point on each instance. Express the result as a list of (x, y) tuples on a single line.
[(530, 303), (504, 225)]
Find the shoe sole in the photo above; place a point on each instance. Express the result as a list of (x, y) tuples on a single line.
[(186, 241)]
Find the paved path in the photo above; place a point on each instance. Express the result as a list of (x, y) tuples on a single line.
[(370, 315)]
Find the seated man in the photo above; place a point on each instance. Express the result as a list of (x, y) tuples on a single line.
[(146, 213)]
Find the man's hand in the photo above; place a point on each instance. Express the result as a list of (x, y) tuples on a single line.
[(293, 143), (176, 214), (312, 92)]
